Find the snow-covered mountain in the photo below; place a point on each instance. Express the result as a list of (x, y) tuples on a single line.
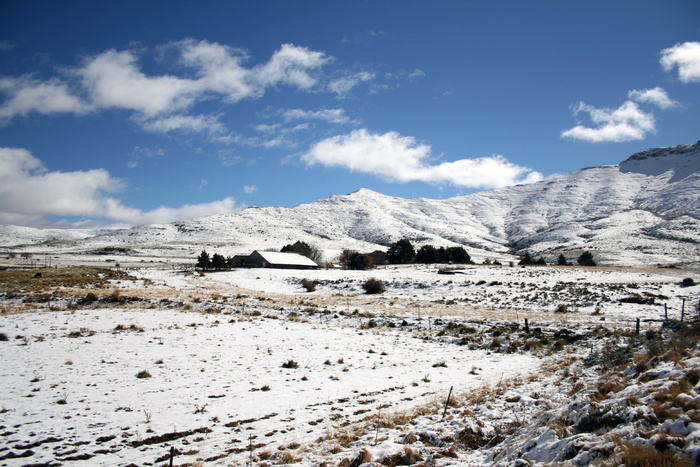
[(644, 211)]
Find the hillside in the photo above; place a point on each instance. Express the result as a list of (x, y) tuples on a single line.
[(644, 211)]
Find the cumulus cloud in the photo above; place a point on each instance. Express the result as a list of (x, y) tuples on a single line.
[(656, 96), (403, 159), (686, 57), (29, 193), (163, 102), (27, 95), (626, 123)]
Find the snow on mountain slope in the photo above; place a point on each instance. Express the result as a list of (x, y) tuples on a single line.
[(13, 235), (644, 211)]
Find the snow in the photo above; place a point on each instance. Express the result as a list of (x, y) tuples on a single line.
[(215, 345), (643, 212)]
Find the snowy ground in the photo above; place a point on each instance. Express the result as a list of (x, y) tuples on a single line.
[(371, 371)]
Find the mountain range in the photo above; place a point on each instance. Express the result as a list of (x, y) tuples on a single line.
[(644, 211)]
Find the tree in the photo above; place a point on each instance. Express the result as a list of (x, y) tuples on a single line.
[(459, 255), (345, 257), (305, 249), (218, 261), (562, 261), (427, 254), (358, 262), (203, 260), (586, 259), (527, 259), (401, 252)]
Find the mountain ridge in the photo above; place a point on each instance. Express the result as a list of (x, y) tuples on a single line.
[(643, 211)]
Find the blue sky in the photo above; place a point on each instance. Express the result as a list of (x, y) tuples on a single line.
[(135, 112)]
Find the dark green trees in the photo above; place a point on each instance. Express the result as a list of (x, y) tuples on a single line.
[(305, 249), (358, 261), (586, 259), (401, 252), (203, 260)]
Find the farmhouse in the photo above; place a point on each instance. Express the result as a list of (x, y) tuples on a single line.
[(274, 259)]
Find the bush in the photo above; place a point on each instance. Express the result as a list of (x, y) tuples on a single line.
[(688, 282), (143, 374), (373, 286), (290, 364), (309, 285)]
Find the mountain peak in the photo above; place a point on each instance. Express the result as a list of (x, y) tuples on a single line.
[(682, 160)]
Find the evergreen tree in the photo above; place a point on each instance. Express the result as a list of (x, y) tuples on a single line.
[(401, 252), (427, 254), (562, 261), (305, 249), (459, 255), (218, 261), (358, 261), (586, 259), (527, 259), (203, 260)]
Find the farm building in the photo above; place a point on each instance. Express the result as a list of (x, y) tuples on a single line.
[(275, 259)]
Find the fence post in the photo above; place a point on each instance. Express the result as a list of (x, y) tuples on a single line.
[(682, 311), (636, 330), (527, 326), (172, 455), (447, 402)]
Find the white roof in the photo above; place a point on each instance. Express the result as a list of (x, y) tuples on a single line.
[(276, 257)]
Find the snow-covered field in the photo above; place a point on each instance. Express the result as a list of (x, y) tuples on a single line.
[(232, 366)]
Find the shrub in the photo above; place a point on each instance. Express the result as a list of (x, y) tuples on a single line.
[(688, 282), (3, 337), (143, 374), (290, 364), (309, 285), (373, 286)]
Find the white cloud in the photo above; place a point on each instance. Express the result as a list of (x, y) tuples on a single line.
[(329, 115), (656, 96), (113, 80), (163, 102), (250, 189), (27, 95), (626, 123), (29, 194), (5, 45), (402, 159), (342, 86), (686, 57), (290, 65), (417, 73)]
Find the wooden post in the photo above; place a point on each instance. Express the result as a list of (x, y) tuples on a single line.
[(172, 455), (447, 402), (682, 311), (665, 312), (251, 449), (527, 326), (636, 330)]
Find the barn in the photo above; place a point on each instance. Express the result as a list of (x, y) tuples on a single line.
[(275, 259)]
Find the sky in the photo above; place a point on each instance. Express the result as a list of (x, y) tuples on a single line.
[(120, 113)]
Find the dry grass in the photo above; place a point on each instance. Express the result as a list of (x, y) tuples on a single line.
[(634, 455)]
